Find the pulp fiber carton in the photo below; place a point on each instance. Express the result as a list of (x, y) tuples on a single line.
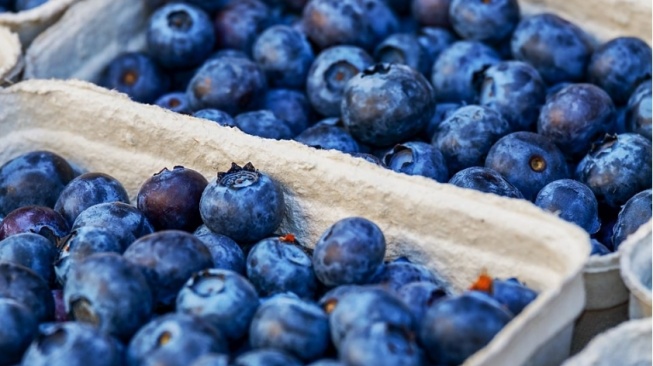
[(30, 23), (456, 232), (636, 271), (11, 56)]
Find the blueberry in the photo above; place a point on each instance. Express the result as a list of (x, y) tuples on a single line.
[(110, 293), (180, 36), (170, 199), (22, 5), (380, 344), (329, 74), (349, 252), (387, 104), (291, 325), (19, 326), (512, 294), (419, 296), (222, 298), (211, 359), (277, 265), (239, 23), (576, 117), (433, 41), (417, 158), (217, 116), (26, 287), (571, 201), (619, 66), (75, 344), (488, 21), (457, 327), (174, 339), (34, 178), (87, 190), (467, 135), (266, 357), (598, 248), (458, 68), (290, 106), (230, 84), (433, 13), (81, 243), (243, 204), (396, 274), (168, 259), (485, 180), (617, 169), (32, 251), (263, 124), (365, 307), (136, 75), (285, 55), (638, 111), (175, 101), (558, 49), (329, 134), (528, 161), (34, 219), (404, 49), (635, 213), (225, 252), (516, 90), (126, 222)]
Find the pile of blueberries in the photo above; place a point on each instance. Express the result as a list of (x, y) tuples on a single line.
[(461, 91), (19, 5), (194, 273)]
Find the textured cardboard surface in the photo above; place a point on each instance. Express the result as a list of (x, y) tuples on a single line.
[(636, 270), (11, 57), (454, 231), (28, 24)]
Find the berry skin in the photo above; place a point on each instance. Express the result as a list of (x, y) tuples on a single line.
[(209, 5), (19, 326), (34, 219), (432, 13), (266, 357), (619, 66), (175, 101), (404, 49), (485, 180), (380, 344), (211, 359), (617, 169), (558, 49), (32, 251), (217, 116), (136, 75), (170, 199), (398, 273), (349, 252), (239, 23), (180, 36), (639, 112), (420, 296), (417, 158), (528, 161), (23, 285), (290, 106), (572, 201), (329, 134), (222, 298), (87, 190), (433, 41), (387, 104), (487, 21), (225, 252), (263, 124), (512, 294), (442, 112), (635, 213), (243, 204)]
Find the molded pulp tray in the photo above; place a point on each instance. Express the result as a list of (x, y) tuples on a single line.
[(636, 271), (454, 231), (11, 60), (30, 23)]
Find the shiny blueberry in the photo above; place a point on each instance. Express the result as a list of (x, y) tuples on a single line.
[(239, 23), (485, 180), (380, 343), (290, 106), (26, 287), (635, 213), (263, 124), (488, 21), (417, 158), (136, 75), (329, 134), (19, 326), (226, 253), (32, 251), (571, 201), (217, 116)]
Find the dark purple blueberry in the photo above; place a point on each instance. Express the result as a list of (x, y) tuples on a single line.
[(239, 23), (26, 287), (417, 158), (466, 136), (222, 298), (404, 49), (619, 65), (516, 90), (457, 327), (528, 161), (32, 251), (329, 134), (576, 117), (487, 20), (136, 75), (571, 201), (638, 111), (295, 326), (558, 49), (243, 204), (398, 273), (285, 56), (387, 104), (217, 116), (87, 190), (226, 253), (35, 178), (34, 219), (170, 199), (124, 221), (598, 248), (512, 294), (108, 292), (279, 265), (380, 343), (420, 296), (175, 101), (617, 169), (459, 68), (290, 106), (431, 13), (485, 180), (635, 213), (19, 326), (168, 259), (174, 339), (266, 357), (263, 124), (230, 84), (329, 74), (73, 343)]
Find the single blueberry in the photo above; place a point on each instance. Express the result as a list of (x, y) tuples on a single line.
[(19, 326), (217, 116), (639, 112), (635, 213), (32, 251), (239, 23), (175, 101), (420, 296), (266, 357), (571, 201), (263, 124), (512, 294), (488, 21), (433, 13), (26, 287), (290, 106), (329, 134), (380, 343), (136, 75), (417, 158), (485, 180), (598, 248), (34, 219), (226, 253)]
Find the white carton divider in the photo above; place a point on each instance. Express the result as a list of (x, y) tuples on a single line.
[(636, 270), (11, 56), (29, 23), (454, 231)]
